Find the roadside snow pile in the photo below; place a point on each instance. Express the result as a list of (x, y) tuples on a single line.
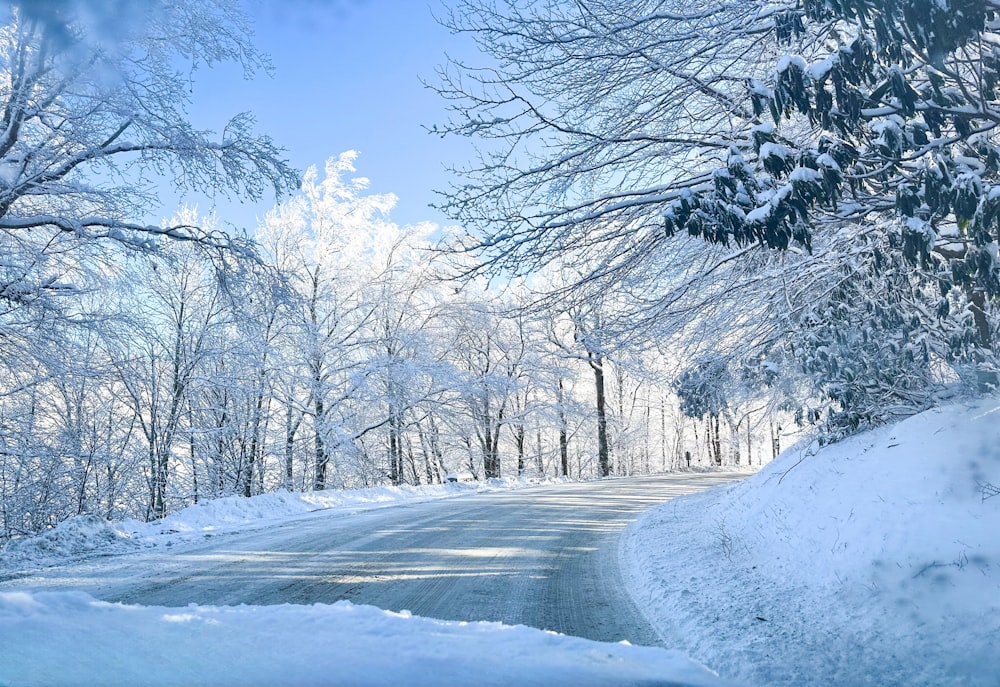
[(90, 534), (215, 514), (68, 638), (77, 535), (872, 561)]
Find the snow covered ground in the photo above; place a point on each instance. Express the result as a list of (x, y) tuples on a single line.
[(70, 638), (874, 561), (67, 638)]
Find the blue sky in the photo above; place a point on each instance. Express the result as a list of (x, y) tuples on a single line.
[(347, 76)]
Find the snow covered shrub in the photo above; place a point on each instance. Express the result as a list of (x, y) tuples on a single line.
[(884, 339)]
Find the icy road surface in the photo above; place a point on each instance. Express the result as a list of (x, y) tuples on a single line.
[(546, 557)]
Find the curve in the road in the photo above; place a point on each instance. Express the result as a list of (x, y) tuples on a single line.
[(544, 557)]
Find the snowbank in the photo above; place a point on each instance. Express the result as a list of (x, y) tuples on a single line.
[(68, 638), (90, 534), (872, 561), (80, 535)]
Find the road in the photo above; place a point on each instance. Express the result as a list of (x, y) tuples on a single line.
[(545, 557)]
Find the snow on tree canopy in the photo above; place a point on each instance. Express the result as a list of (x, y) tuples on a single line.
[(883, 135)]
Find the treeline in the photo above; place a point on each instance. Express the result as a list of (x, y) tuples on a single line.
[(336, 358)]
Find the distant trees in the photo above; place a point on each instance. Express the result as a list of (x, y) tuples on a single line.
[(320, 234), (183, 311), (338, 359)]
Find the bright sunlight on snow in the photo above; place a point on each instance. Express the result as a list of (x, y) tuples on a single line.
[(871, 561), (68, 638), (88, 534)]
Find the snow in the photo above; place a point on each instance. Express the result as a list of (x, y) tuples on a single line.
[(826, 160), (68, 638), (90, 534), (9, 172), (805, 174), (758, 88), (871, 561), (80, 535), (874, 560), (778, 150), (786, 61), (974, 165), (892, 123), (920, 226), (819, 70), (759, 215)]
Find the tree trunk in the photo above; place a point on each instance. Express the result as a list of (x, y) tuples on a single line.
[(436, 447), (616, 449), (412, 461), (220, 452), (717, 441), (160, 501), (563, 439), (645, 447), (519, 439), (191, 458), (396, 476), (319, 447), (663, 433), (291, 429), (977, 304), (603, 459), (538, 453), (697, 441), (734, 437), (491, 457), (430, 464), (255, 441)]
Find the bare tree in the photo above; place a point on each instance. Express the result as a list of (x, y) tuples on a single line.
[(92, 114), (589, 114)]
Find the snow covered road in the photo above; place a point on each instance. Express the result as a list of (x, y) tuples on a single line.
[(545, 557)]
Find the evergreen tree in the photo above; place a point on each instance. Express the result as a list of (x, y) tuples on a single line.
[(886, 135)]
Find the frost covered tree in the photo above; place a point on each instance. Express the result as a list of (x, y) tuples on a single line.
[(596, 331), (93, 99), (165, 359), (318, 239), (92, 115), (591, 118), (406, 373), (589, 114), (854, 138), (875, 140), (486, 355), (590, 344)]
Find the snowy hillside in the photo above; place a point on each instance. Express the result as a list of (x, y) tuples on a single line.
[(872, 561)]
